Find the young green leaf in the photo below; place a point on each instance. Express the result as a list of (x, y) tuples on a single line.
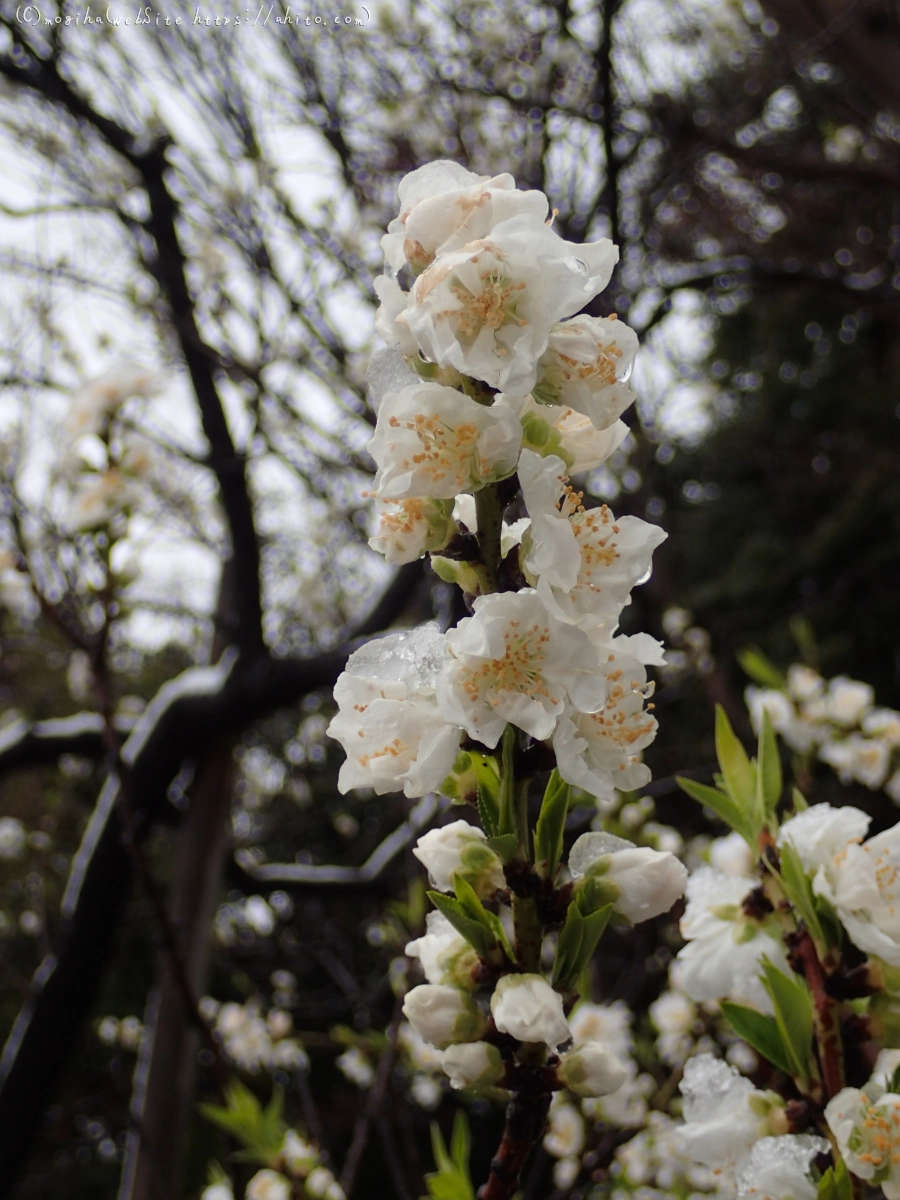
[(261, 1130), (451, 1181), (740, 776), (504, 846), (478, 934), (760, 1032), (760, 668), (768, 771), (506, 800), (548, 834), (798, 800), (793, 1016), (799, 891), (577, 942), (723, 806)]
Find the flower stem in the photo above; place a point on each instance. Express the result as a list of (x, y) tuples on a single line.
[(826, 1016)]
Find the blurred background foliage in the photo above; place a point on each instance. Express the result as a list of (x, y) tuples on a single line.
[(745, 157)]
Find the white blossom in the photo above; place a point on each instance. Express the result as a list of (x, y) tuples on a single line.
[(673, 1014), (862, 882), (426, 1092), (847, 700), (584, 563), (777, 1168), (393, 302), (268, 1185), (883, 723), (565, 1172), (388, 720), (565, 1135), (445, 955), (422, 1055), (512, 661), (354, 1066), (560, 430), (724, 946), (100, 397), (322, 1185), (640, 882), (731, 855), (804, 684), (488, 308), (299, 1155), (409, 528), (866, 1125), (866, 760), (443, 1015), (800, 734), (820, 832), (460, 849), (13, 839), (606, 1023), (527, 1008), (443, 207), (432, 440), (723, 1113), (586, 365), (471, 1064), (591, 1069), (600, 751), (217, 1191)]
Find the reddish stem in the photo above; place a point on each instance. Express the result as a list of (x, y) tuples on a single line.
[(825, 1015), (526, 1119)]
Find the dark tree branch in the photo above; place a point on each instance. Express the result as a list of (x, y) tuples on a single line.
[(37, 743), (188, 715), (168, 268)]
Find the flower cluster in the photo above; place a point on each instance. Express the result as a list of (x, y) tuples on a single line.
[(491, 394), (253, 1041), (298, 1170), (837, 721)]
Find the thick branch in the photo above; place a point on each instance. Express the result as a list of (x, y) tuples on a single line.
[(36, 743)]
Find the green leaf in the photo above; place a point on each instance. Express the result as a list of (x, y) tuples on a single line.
[(835, 1184), (487, 810), (740, 776), (799, 890), (760, 1032), (793, 1016), (551, 825), (261, 1130), (723, 806), (479, 935), (504, 846), (577, 942), (799, 800), (506, 821), (451, 1181), (760, 668), (768, 772)]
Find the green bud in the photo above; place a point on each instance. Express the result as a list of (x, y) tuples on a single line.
[(461, 785), (463, 574), (594, 890)]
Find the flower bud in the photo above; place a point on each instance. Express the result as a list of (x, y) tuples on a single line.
[(268, 1185), (589, 1069), (299, 1155), (445, 955), (640, 882), (443, 1015), (527, 1008), (460, 849), (472, 1063)]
